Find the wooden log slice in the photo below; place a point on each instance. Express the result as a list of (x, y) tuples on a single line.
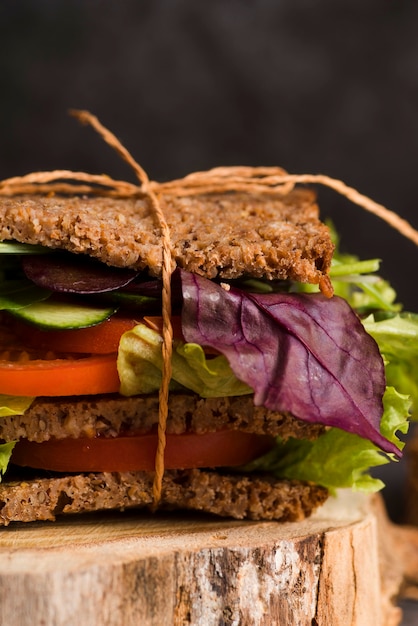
[(162, 570)]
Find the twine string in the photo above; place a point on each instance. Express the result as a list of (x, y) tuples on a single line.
[(262, 180), (167, 332), (269, 181)]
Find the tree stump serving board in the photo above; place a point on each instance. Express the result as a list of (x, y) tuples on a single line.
[(134, 568)]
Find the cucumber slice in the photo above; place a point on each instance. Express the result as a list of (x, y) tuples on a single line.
[(132, 299), (54, 315), (14, 247), (16, 294)]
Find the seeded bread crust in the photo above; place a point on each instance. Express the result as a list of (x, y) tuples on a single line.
[(219, 235), (240, 497), (225, 235), (110, 416)]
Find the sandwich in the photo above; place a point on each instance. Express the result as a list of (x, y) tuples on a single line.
[(277, 395), (262, 360)]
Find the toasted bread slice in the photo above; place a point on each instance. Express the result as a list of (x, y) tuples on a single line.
[(226, 495), (113, 415), (217, 235)]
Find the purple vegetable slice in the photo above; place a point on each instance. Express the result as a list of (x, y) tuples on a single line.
[(65, 273), (149, 288), (301, 353)]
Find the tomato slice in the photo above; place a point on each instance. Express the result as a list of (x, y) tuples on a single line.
[(60, 377), (101, 339), (137, 453)]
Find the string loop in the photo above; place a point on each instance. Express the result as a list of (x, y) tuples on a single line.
[(255, 180)]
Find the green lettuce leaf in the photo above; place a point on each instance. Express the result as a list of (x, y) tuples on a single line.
[(14, 405), (6, 450), (395, 331), (357, 281), (140, 363), (338, 459), (397, 338), (17, 294)]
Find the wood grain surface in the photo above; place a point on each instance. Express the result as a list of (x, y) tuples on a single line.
[(340, 567)]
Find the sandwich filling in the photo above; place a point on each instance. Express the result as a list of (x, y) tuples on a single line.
[(281, 386)]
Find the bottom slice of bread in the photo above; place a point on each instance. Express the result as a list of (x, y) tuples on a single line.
[(227, 495)]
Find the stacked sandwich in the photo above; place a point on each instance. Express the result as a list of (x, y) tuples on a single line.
[(277, 396)]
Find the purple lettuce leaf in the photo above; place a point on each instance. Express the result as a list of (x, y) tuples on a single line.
[(301, 353)]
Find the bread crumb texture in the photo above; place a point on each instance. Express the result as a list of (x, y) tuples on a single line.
[(236, 496), (114, 415), (216, 235)]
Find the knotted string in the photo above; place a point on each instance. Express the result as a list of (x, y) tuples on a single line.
[(253, 180), (167, 330)]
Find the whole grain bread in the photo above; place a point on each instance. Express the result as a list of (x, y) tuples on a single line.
[(255, 497), (113, 415), (217, 235), (226, 235)]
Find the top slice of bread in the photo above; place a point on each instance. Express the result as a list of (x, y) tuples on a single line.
[(226, 235)]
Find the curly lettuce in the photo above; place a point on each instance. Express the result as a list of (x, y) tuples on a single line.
[(338, 459), (14, 405), (140, 364)]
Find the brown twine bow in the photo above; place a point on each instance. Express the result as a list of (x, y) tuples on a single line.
[(265, 180)]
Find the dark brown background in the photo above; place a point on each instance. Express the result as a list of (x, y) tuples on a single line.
[(312, 85), (318, 86)]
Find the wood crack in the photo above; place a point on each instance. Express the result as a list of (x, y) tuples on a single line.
[(320, 560)]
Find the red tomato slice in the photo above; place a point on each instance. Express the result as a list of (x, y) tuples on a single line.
[(137, 453), (101, 339), (60, 377)]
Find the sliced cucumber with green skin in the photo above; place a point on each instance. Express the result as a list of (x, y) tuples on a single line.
[(132, 299), (55, 315), (14, 247), (16, 294)]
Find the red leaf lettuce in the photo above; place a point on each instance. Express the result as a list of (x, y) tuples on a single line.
[(301, 353)]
